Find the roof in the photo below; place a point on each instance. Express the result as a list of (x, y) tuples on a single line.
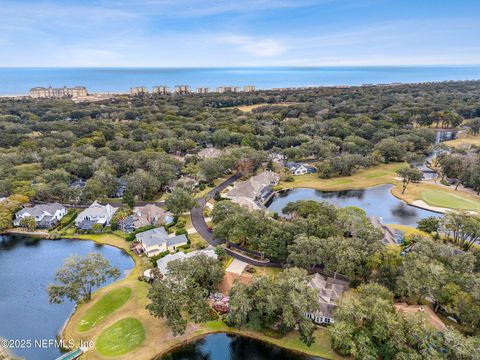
[(97, 210), (153, 237), (149, 215), (162, 263), (210, 153), (246, 203), (329, 291), (42, 210), (254, 186)]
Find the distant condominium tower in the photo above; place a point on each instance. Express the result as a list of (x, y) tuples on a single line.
[(224, 89), (42, 92), (162, 89), (138, 90), (182, 89), (249, 88), (203, 90)]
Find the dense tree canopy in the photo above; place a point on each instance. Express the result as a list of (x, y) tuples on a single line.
[(48, 144)]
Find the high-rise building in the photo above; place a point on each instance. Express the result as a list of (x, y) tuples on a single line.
[(161, 89), (138, 90), (42, 92), (182, 89)]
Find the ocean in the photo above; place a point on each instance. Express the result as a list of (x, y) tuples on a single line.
[(18, 81)]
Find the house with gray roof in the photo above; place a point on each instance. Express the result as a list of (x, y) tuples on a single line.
[(157, 240), (95, 214), (162, 263), (329, 291), (256, 190), (45, 215)]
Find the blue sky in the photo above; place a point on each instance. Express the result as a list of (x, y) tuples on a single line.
[(203, 33)]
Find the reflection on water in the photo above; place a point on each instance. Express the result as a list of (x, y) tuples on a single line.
[(376, 201), (27, 267), (232, 347)]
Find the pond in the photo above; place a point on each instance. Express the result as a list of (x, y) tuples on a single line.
[(27, 267), (232, 347), (376, 201)]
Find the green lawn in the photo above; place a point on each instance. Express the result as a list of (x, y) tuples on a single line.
[(121, 338), (445, 199), (110, 302)]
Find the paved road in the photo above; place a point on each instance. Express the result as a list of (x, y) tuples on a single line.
[(198, 221)]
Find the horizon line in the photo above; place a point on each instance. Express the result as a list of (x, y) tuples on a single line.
[(237, 67)]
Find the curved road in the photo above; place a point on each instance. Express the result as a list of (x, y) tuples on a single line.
[(198, 222)]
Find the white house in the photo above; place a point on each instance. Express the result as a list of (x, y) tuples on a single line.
[(157, 240), (162, 263), (95, 214), (299, 168), (45, 215)]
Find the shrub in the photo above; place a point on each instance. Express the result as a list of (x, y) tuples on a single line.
[(181, 231), (181, 223), (154, 259)]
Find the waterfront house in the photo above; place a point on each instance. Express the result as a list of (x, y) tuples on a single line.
[(95, 214), (144, 216), (329, 291), (162, 264), (45, 215), (299, 168), (258, 189), (157, 240)]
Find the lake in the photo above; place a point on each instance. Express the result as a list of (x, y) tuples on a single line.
[(27, 267), (16, 81), (232, 347), (376, 201)]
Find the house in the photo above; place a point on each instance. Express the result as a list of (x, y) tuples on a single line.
[(121, 188), (157, 240), (78, 184), (299, 168), (143, 216), (209, 153), (185, 182), (247, 203), (257, 189), (329, 291), (95, 214), (162, 263), (45, 215)]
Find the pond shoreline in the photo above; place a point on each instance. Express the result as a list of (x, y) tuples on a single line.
[(190, 338), (329, 190), (242, 333)]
